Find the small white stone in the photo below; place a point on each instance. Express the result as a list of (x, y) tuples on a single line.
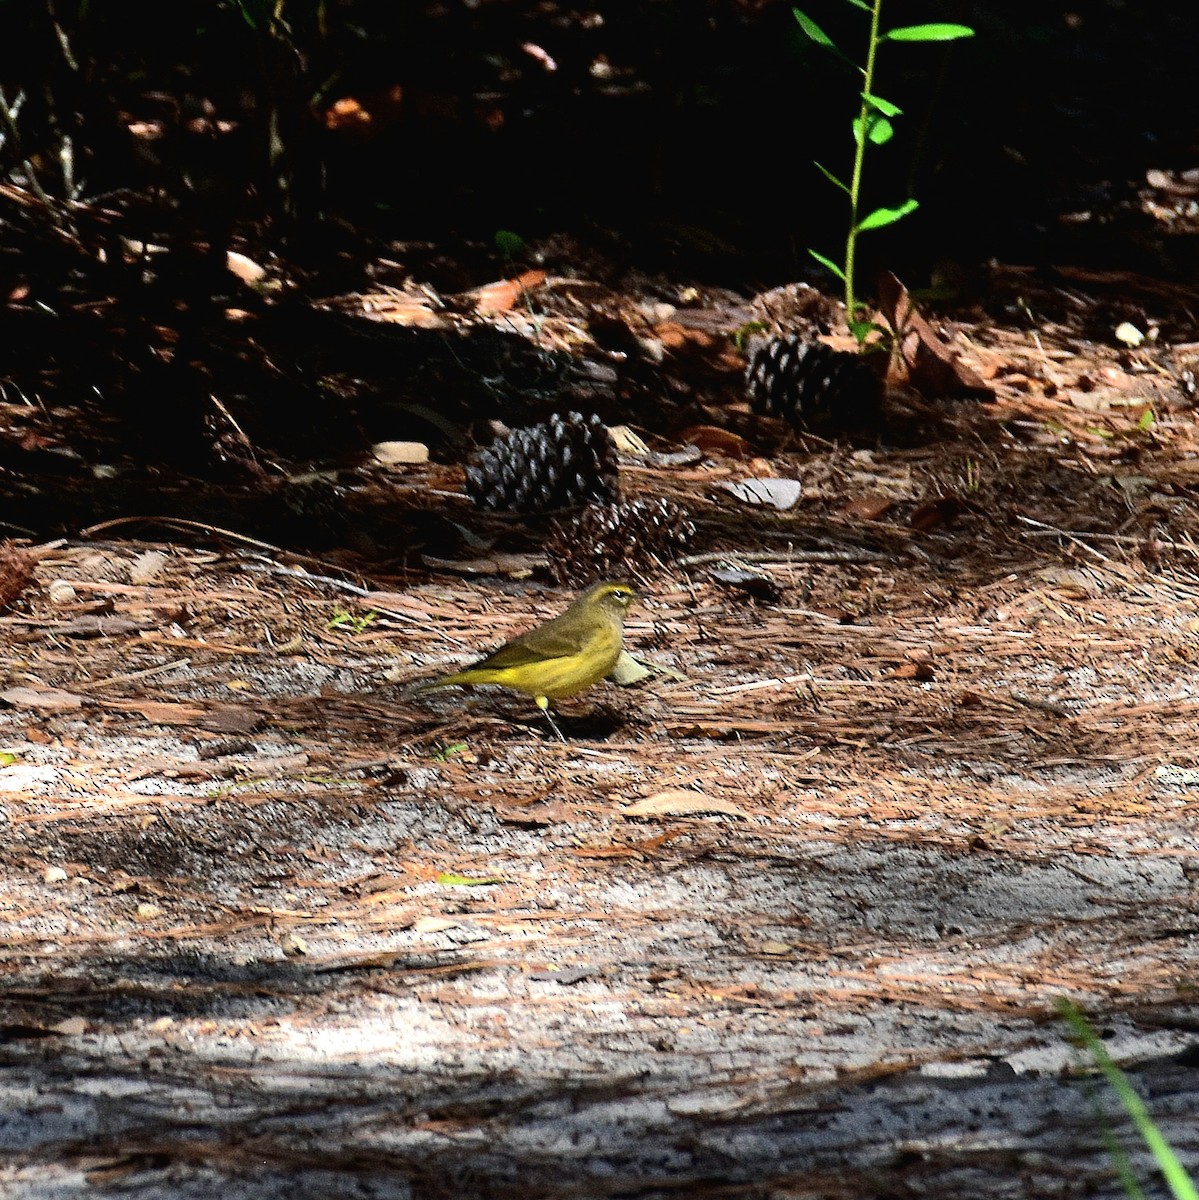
[(392, 454), (1129, 334)]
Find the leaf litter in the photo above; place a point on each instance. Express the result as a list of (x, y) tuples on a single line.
[(960, 745)]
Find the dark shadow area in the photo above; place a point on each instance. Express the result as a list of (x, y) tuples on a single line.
[(663, 155), (322, 1129)]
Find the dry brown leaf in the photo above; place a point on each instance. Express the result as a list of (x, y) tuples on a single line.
[(933, 367), (160, 712), (711, 439), (870, 507), (222, 719), (779, 494), (45, 700), (91, 626), (246, 269), (935, 513), (515, 566), (675, 337), (362, 118), (922, 672), (540, 817), (501, 296), (607, 852), (675, 802), (228, 719)]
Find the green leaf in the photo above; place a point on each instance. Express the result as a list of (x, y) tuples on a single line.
[(257, 14), (879, 130), (813, 30), (452, 880), (928, 33), (1147, 421), (248, 14), (884, 106), (860, 4), (830, 177), (887, 216), (828, 262), (861, 330), (7, 759)]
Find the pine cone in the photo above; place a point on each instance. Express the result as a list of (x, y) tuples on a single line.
[(812, 386), (16, 572), (612, 540), (568, 461)]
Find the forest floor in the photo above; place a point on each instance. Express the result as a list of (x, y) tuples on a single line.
[(789, 919)]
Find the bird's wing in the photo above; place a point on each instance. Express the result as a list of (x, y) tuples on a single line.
[(548, 643)]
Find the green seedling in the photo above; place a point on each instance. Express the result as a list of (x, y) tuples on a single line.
[(355, 623), (871, 127), (448, 752), (972, 475), (510, 245)]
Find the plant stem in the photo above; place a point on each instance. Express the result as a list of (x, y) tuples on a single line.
[(855, 183)]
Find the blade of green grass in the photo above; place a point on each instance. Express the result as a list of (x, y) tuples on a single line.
[(1175, 1174)]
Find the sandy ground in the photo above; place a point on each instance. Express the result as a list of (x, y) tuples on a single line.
[(793, 925)]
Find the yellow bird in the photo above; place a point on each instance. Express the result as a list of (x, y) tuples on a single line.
[(559, 658)]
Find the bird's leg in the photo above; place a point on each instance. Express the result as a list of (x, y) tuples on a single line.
[(543, 703)]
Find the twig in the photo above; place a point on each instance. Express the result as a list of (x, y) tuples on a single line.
[(92, 685), (8, 116), (1076, 538), (773, 556), (1116, 539), (260, 562)]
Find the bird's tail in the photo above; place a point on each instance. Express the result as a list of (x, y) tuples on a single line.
[(454, 679), (432, 685)]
